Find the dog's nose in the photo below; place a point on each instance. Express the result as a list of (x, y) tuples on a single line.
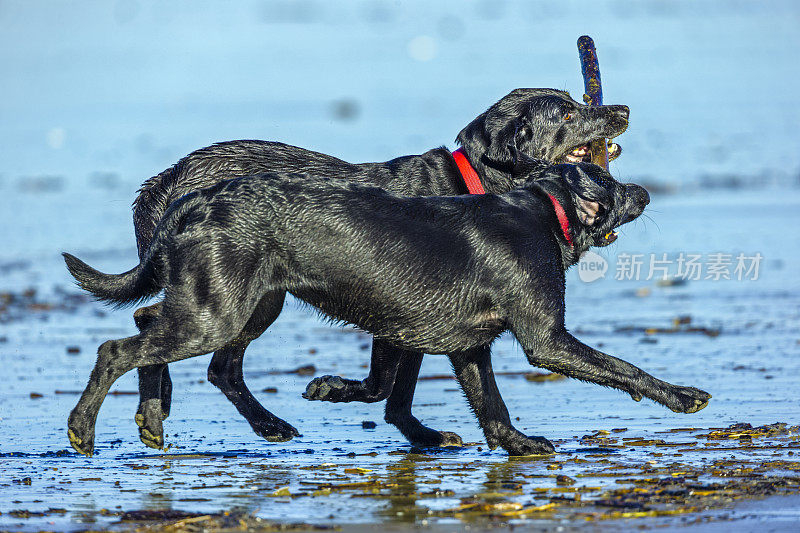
[(622, 111), (639, 193)]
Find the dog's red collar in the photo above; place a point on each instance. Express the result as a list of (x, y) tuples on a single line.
[(471, 179), (474, 186), (562, 219)]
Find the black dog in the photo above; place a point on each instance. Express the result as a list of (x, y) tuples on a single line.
[(542, 123), (438, 275)]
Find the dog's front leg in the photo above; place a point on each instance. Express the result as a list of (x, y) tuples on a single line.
[(473, 370), (555, 349)]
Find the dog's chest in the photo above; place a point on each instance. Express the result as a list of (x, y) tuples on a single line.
[(424, 327), (453, 333)]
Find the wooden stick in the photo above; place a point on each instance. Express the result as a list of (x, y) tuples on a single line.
[(593, 93)]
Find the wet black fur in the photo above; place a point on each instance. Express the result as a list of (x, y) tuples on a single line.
[(541, 123), (437, 275)]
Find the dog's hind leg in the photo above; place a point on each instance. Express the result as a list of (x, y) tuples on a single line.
[(473, 370), (398, 406), (155, 389), (142, 317), (167, 340), (375, 387), (225, 371), (149, 415)]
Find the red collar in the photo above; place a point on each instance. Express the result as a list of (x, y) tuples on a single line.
[(471, 179), (474, 186), (562, 219)]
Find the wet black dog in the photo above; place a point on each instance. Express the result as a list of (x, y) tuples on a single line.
[(438, 275), (542, 123)]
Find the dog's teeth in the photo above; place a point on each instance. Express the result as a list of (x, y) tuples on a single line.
[(577, 154)]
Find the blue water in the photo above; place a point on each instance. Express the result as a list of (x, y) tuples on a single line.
[(127, 87)]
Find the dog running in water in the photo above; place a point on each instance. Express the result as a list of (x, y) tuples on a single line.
[(437, 275)]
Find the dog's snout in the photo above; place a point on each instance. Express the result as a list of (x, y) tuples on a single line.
[(615, 117)]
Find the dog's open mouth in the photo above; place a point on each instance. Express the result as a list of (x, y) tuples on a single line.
[(583, 153), (609, 237), (605, 240), (578, 154)]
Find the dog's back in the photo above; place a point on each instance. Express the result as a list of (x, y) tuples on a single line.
[(359, 254), (223, 161), (211, 165)]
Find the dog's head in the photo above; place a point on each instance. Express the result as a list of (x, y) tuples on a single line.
[(542, 123), (595, 203)]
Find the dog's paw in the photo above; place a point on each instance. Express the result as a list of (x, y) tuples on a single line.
[(148, 418), (524, 445), (81, 435), (275, 430), (450, 439), (688, 399), (327, 389), (437, 439)]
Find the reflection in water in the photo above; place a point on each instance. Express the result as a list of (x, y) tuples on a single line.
[(401, 500)]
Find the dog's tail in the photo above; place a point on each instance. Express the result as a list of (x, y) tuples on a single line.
[(146, 279), (128, 288)]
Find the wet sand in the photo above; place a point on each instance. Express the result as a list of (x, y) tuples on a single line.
[(617, 460)]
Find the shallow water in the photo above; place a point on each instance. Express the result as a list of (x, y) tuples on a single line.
[(744, 351), (75, 149)]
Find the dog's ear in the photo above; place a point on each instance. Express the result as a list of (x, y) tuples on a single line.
[(587, 210), (498, 153), (591, 197), (525, 166), (488, 137), (473, 138)]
